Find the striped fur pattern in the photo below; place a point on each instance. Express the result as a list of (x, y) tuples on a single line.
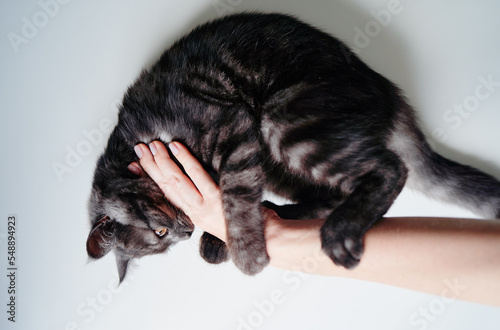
[(267, 102)]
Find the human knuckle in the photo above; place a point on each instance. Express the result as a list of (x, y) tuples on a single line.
[(173, 181), (145, 162), (161, 159), (169, 183), (194, 172)]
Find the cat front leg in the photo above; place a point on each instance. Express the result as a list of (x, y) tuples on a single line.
[(241, 185)]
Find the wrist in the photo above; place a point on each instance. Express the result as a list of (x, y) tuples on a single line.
[(212, 222), (291, 243)]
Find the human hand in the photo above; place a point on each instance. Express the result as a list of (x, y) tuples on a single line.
[(198, 196)]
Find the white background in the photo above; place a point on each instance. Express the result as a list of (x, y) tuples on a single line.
[(66, 78)]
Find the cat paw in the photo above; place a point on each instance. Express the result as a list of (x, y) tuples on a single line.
[(212, 249), (342, 244), (249, 256)]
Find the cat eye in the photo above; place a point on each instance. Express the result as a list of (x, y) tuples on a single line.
[(160, 232)]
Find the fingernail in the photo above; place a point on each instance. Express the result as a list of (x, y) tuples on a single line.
[(138, 151), (173, 148), (152, 148), (134, 168)]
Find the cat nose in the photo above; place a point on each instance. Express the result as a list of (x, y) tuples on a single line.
[(185, 229), (183, 235), (188, 226)]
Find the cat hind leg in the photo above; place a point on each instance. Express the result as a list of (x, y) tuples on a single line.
[(342, 234)]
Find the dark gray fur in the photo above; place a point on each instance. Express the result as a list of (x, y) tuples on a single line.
[(268, 102)]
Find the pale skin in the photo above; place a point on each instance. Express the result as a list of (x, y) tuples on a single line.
[(452, 258)]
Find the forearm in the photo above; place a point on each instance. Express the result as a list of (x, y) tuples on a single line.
[(457, 258)]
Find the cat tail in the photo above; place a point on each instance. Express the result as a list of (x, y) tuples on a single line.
[(439, 177)]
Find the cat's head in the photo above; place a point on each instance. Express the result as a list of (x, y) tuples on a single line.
[(130, 215)]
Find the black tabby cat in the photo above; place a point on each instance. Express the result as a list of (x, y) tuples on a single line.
[(268, 102)]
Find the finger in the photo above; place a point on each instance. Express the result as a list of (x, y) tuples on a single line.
[(166, 174), (135, 168), (203, 181), (174, 179), (148, 163), (161, 158)]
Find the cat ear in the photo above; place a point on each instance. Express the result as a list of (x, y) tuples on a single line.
[(101, 239), (122, 264)]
